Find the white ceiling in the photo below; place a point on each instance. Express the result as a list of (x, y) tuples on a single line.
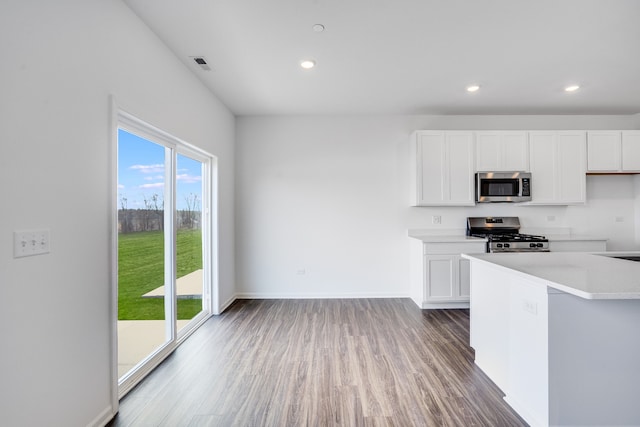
[(409, 56)]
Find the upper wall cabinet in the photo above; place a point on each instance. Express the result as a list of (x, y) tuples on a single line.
[(442, 164), (613, 151), (502, 151), (558, 167)]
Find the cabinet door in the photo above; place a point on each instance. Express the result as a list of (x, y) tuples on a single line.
[(458, 183), (571, 166), (488, 151), (631, 151), (502, 151), (440, 277), (542, 157), (515, 149), (603, 151), (558, 167), (430, 165), (443, 168)]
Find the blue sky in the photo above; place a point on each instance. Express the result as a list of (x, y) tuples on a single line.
[(141, 173)]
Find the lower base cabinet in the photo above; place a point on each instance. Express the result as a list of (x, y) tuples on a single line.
[(440, 277), (444, 278)]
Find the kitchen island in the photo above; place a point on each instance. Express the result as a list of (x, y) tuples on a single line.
[(559, 333)]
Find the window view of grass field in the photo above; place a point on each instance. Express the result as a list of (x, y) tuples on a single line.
[(141, 270), (143, 298)]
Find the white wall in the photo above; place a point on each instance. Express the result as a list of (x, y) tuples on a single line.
[(60, 63), (330, 196)]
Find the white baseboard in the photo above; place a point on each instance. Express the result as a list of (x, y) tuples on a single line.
[(103, 417), (435, 306), (227, 303)]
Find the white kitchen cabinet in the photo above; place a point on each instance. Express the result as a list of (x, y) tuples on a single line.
[(558, 167), (440, 276), (613, 151), (631, 151), (442, 165), (604, 151), (502, 151)]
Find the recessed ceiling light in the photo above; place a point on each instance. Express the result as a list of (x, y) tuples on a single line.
[(318, 28), (571, 88), (307, 64), (473, 88)]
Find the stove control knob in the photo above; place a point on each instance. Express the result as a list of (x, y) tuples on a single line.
[(539, 245), (506, 245), (499, 245), (532, 245)]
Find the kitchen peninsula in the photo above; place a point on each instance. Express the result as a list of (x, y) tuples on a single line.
[(559, 334)]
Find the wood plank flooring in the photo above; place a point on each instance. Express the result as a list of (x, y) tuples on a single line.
[(356, 362)]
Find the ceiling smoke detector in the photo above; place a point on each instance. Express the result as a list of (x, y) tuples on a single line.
[(201, 62)]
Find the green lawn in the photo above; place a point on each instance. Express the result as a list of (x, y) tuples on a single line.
[(141, 269)]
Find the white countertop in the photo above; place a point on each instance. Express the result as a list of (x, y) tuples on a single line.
[(573, 237), (432, 238), (585, 275)]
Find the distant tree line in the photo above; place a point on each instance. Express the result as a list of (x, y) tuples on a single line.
[(151, 217)]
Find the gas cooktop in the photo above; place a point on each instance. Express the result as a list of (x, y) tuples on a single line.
[(503, 235)]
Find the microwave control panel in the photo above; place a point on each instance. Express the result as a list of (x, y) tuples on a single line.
[(526, 187)]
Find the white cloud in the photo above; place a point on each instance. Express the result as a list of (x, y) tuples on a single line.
[(148, 168), (153, 185), (189, 179), (120, 186)]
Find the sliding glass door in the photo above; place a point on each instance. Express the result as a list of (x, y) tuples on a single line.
[(163, 245)]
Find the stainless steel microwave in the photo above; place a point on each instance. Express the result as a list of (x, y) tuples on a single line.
[(497, 187)]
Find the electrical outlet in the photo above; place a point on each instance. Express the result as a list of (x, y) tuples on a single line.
[(30, 242), (436, 219)]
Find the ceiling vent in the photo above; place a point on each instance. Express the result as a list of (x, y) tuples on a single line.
[(201, 62)]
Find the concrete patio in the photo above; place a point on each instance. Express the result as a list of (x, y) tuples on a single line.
[(137, 339)]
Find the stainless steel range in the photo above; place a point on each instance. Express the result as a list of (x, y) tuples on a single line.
[(503, 234)]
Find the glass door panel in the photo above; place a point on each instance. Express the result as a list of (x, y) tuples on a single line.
[(142, 327), (189, 239)]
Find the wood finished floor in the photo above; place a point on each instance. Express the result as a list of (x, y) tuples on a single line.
[(356, 362)]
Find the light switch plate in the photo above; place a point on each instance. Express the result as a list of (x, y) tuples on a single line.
[(30, 242)]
